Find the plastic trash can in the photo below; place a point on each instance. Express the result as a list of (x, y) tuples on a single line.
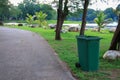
[(88, 52)]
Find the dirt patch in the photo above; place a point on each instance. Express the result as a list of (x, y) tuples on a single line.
[(115, 74)]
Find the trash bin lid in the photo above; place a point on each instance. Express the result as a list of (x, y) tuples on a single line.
[(88, 37)]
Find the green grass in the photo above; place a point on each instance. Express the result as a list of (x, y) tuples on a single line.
[(48, 21), (67, 51), (65, 22), (18, 21)]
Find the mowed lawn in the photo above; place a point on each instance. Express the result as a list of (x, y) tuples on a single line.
[(67, 51)]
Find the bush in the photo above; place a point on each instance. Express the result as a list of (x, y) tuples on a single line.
[(32, 26), (20, 24), (1, 23)]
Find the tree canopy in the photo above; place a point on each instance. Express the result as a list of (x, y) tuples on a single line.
[(32, 6), (28, 7), (4, 9)]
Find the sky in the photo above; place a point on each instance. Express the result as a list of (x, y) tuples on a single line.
[(97, 6)]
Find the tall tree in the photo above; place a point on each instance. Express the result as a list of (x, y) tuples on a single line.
[(115, 43), (85, 4), (62, 12), (4, 9), (14, 13)]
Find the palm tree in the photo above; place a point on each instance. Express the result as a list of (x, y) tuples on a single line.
[(101, 21), (41, 18), (29, 19)]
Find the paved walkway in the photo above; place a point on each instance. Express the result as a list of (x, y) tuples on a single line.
[(26, 56)]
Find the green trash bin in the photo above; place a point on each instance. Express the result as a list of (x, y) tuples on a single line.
[(88, 52)]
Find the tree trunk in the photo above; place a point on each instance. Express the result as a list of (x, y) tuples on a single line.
[(118, 46), (60, 20), (98, 29), (62, 13), (84, 17), (115, 43)]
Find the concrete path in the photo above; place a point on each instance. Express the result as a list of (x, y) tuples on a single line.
[(26, 56)]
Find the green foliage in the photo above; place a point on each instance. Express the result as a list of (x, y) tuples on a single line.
[(4, 9), (29, 19), (51, 13), (118, 10), (74, 15), (41, 19), (91, 14), (110, 13), (31, 7), (28, 7), (101, 21), (15, 12)]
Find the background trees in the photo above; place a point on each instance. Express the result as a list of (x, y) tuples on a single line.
[(31, 7), (11, 12), (110, 13), (48, 9), (28, 7), (15, 13), (4, 9), (75, 16), (92, 14)]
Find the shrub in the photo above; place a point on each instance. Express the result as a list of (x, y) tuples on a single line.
[(1, 23), (32, 26), (20, 24)]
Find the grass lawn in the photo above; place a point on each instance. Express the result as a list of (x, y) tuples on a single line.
[(67, 51), (49, 22), (65, 22)]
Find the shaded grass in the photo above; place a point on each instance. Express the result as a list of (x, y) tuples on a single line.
[(67, 51)]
